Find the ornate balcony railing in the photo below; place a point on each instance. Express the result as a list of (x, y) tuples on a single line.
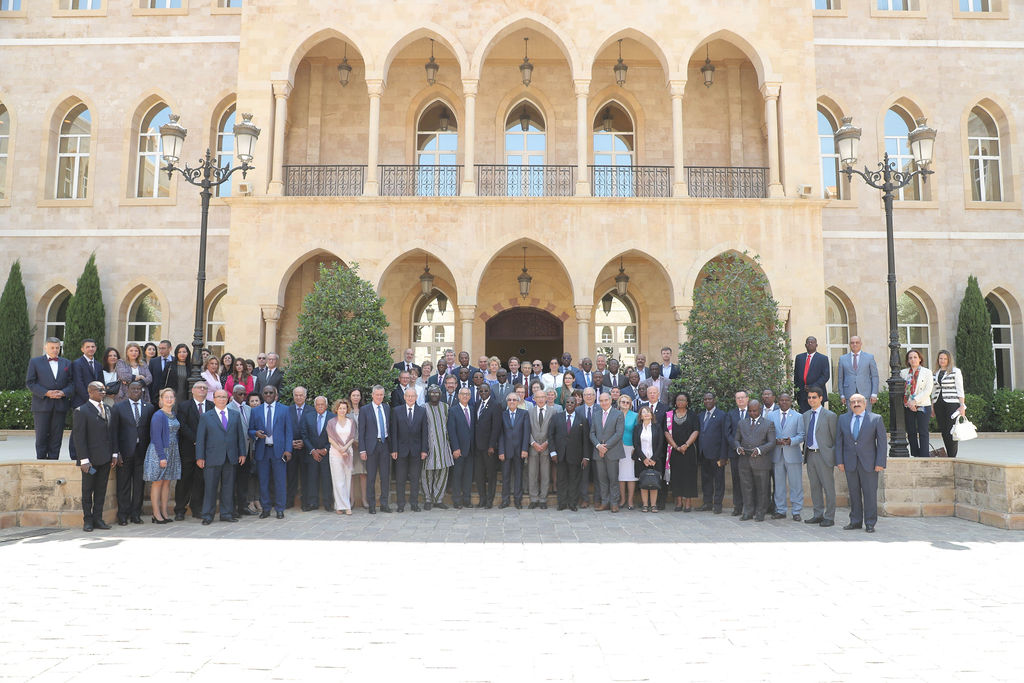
[(497, 180), (420, 181), (746, 182), (631, 181), (324, 181)]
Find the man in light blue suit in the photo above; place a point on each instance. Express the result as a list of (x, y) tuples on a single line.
[(220, 449), (860, 453), (271, 427), (857, 374), (787, 458)]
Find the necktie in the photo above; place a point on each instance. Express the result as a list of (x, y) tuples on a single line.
[(807, 367), (512, 417), (589, 413), (856, 426), (299, 411), (101, 411), (465, 409), (320, 424), (811, 443), (568, 422), (604, 418), (224, 419), (410, 413), (202, 408), (855, 361), (542, 415), (380, 424), (783, 425), (743, 414), (707, 416), (163, 364), (135, 409), (270, 415), (92, 367), (480, 409)]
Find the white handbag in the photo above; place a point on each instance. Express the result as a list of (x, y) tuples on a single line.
[(963, 429)]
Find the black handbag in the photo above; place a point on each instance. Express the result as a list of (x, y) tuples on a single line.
[(113, 388), (649, 479)]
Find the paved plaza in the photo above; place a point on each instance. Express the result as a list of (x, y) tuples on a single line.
[(507, 595)]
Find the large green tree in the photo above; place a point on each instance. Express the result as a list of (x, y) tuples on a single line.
[(15, 331), (342, 342), (86, 316), (735, 339), (974, 342)]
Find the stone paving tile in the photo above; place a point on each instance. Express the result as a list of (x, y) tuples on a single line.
[(511, 595)]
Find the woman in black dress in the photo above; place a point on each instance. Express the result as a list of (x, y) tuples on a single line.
[(681, 430), (177, 374), (648, 454)]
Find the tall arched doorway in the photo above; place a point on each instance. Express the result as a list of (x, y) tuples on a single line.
[(524, 332)]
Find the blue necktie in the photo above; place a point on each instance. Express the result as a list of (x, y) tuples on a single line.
[(856, 426), (811, 443), (512, 417), (381, 431), (320, 424)]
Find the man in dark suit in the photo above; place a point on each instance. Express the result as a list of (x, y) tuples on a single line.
[(271, 427), (450, 394), (158, 367), (753, 442), (129, 423), (515, 375), (570, 439), (513, 447), (94, 444), (713, 447), (586, 411), (811, 369), (614, 378), (669, 370), (188, 491), (461, 424), (408, 442), (463, 363), (246, 471), (606, 431), (486, 430), (465, 381), (49, 379), (316, 478), (295, 467), (860, 453), (398, 393), (374, 427), (220, 449), (632, 388), (653, 400), (585, 377), (736, 415), (406, 365), (821, 428), (270, 376), (84, 369)]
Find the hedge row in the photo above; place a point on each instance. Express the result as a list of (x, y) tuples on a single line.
[(1002, 412), (16, 410)]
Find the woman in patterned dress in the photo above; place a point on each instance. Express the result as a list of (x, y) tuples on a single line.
[(163, 463), (434, 479)]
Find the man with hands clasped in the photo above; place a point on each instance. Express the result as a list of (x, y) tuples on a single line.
[(220, 449)]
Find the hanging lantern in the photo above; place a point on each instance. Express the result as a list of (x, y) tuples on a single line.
[(443, 121), (526, 69), (621, 280), (620, 68), (430, 314), (524, 119), (606, 303), (344, 70), (432, 66), (426, 279), (607, 124), (922, 142), (708, 70), (524, 279), (442, 303)]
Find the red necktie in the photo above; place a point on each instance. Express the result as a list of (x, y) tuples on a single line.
[(807, 366)]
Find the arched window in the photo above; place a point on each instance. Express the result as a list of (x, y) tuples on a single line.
[(226, 147), (525, 145), (898, 124), (837, 330), (912, 319), (616, 325), (144, 318), (5, 138), (433, 328), (57, 315), (984, 154), (831, 179), (437, 141), (614, 152), (1002, 341), (150, 182), (216, 327), (73, 154)]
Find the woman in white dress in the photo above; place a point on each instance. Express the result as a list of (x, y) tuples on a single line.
[(552, 379), (341, 431)]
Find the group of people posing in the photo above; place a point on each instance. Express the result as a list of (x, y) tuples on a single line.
[(595, 434)]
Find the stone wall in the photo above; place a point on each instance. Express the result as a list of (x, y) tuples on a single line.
[(990, 494), (31, 494)]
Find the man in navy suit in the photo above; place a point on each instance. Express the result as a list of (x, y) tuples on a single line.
[(487, 429), (374, 427), (513, 447), (669, 370), (220, 449), (585, 377), (271, 427), (316, 478), (736, 415), (84, 369), (860, 453), (461, 423), (570, 437), (811, 369), (49, 380), (189, 490), (408, 442), (406, 365), (713, 447), (297, 463), (129, 424), (158, 367)]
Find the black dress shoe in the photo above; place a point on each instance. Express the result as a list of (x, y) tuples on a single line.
[(573, 508), (736, 512), (385, 508), (706, 507), (718, 509), (229, 519), (137, 520), (415, 508), (179, 516), (401, 508), (195, 516), (373, 511), (264, 514), (306, 508), (441, 506), (814, 520), (280, 514), (122, 522), (100, 524), (796, 517), (489, 506), (457, 506), (533, 505), (504, 504), (519, 505), (851, 526), (427, 506), (759, 518), (542, 506), (561, 507), (778, 515), (826, 522), (869, 529), (207, 522), (679, 508), (746, 518), (86, 526)]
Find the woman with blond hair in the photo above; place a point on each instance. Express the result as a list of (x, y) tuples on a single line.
[(211, 374), (948, 398), (131, 368), (163, 462), (341, 432)]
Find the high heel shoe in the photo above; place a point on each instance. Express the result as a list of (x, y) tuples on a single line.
[(165, 520), (154, 520)]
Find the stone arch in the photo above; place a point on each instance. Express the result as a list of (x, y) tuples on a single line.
[(143, 106), (605, 277), (653, 303), (127, 297), (325, 254), (847, 303), (420, 248), (997, 108), (757, 55), (62, 105), (420, 102), (726, 254), (551, 250), (831, 104), (707, 255), (629, 103), (930, 309), (430, 30), (526, 20), (313, 39), (512, 99), (666, 60), (291, 292), (51, 296)]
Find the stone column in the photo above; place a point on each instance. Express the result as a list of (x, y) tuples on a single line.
[(375, 88), (770, 91), (281, 91), (582, 137), (316, 106), (271, 314), (679, 188), (682, 314), (468, 315), (469, 137), (583, 316)]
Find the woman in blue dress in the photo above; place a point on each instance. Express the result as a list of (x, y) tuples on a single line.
[(163, 463)]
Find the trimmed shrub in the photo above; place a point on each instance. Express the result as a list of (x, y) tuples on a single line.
[(15, 332)]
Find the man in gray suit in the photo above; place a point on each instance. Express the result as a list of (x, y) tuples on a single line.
[(220, 448), (787, 459), (538, 470), (606, 435), (820, 429), (857, 374), (754, 441), (860, 453)]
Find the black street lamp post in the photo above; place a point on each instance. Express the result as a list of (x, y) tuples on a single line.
[(888, 179), (206, 175)]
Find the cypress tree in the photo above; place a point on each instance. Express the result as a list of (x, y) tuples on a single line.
[(86, 316), (15, 331), (974, 342)]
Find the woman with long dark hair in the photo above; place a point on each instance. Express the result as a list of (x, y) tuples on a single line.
[(177, 373)]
